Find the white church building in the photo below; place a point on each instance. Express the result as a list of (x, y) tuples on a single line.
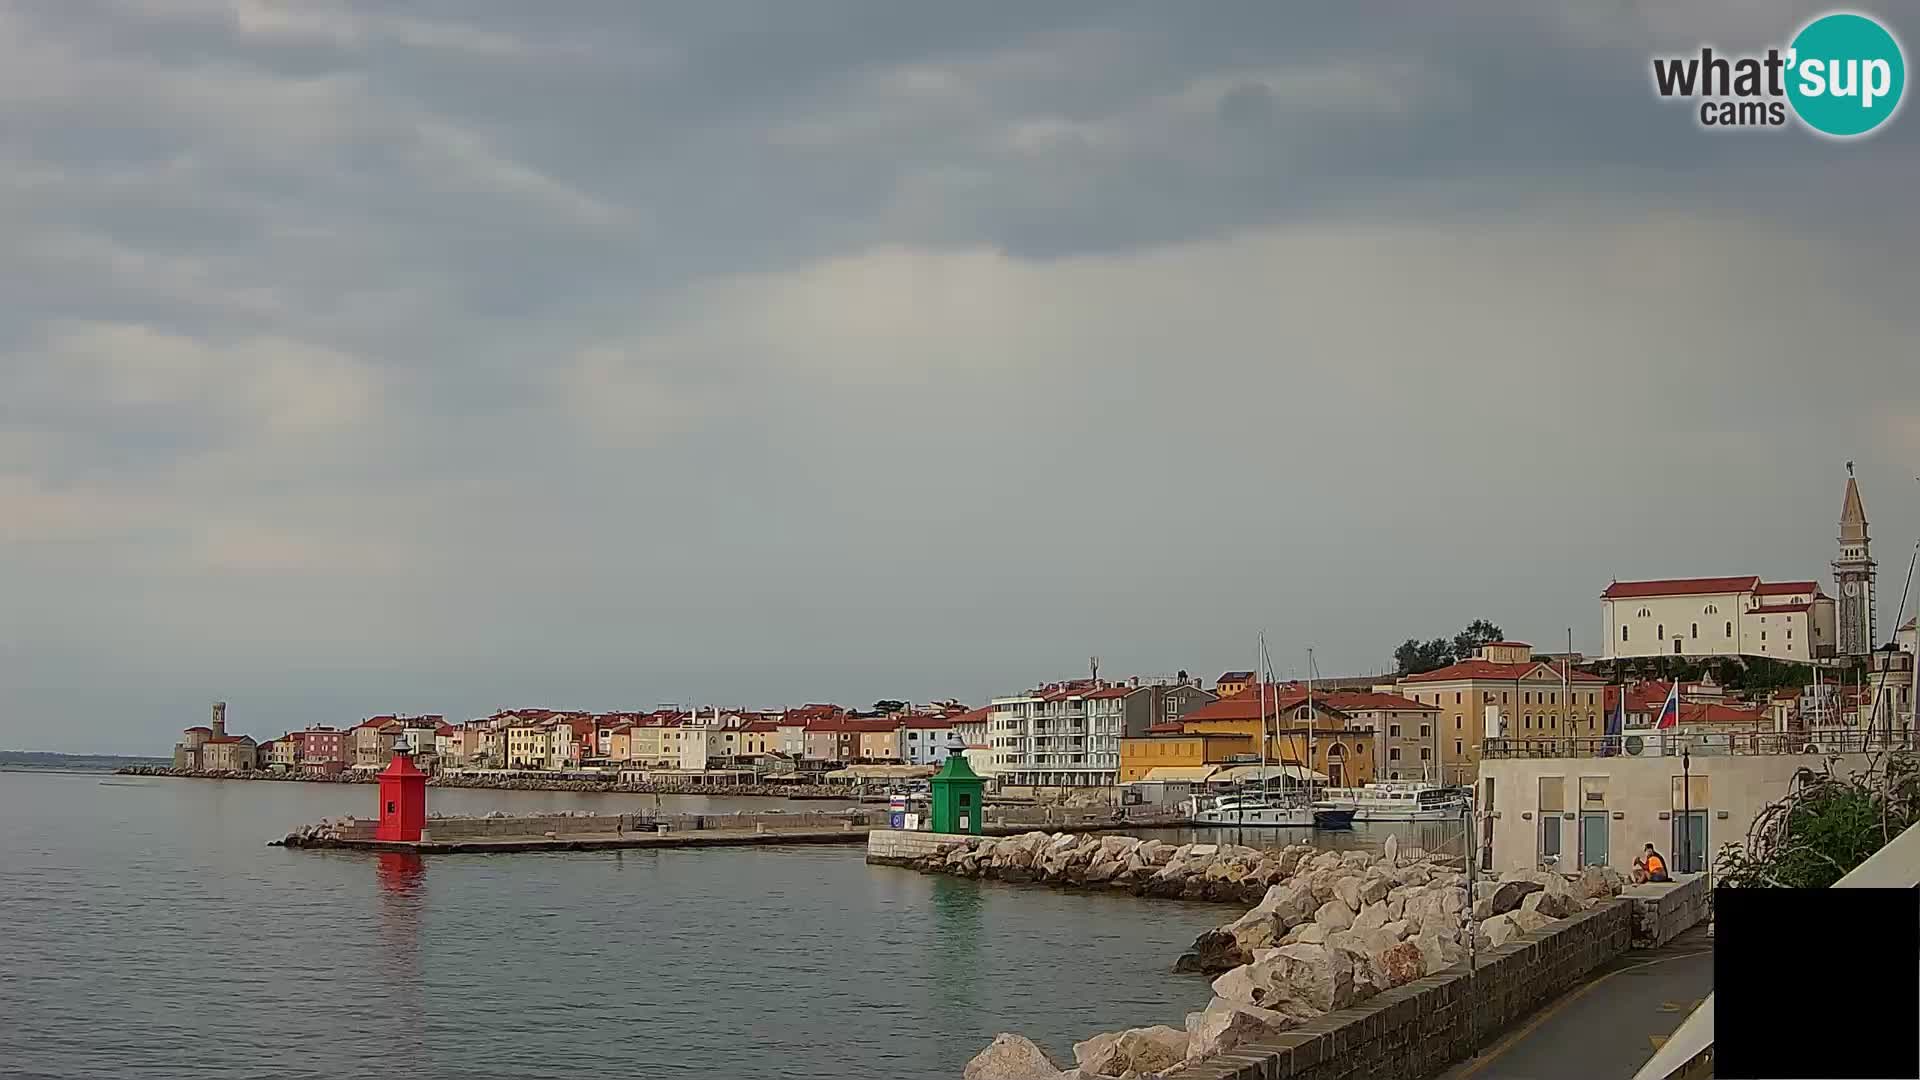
[(1746, 616)]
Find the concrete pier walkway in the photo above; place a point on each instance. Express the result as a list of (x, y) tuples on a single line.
[(1607, 1027), (606, 841)]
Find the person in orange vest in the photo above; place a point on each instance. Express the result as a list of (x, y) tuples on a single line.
[(1656, 866)]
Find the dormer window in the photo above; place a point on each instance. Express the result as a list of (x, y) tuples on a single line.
[(1645, 613), (1711, 609)]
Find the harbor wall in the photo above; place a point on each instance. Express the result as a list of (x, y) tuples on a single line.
[(1664, 910), (1416, 1031)]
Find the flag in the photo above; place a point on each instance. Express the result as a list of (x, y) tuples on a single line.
[(1670, 708), (1616, 723)]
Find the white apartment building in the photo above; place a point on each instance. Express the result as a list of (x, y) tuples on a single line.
[(1063, 735), (1723, 616)]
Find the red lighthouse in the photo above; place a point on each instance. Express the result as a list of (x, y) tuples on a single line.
[(403, 798)]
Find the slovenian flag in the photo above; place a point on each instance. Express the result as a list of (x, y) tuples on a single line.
[(1670, 708)]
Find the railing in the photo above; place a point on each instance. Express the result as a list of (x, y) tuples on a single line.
[(1671, 743)]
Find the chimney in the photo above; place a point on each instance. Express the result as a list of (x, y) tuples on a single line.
[(219, 719)]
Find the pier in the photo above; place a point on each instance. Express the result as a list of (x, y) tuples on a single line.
[(588, 832)]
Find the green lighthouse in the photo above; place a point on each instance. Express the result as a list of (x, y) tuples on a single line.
[(958, 794)]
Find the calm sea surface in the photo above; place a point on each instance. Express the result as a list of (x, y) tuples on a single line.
[(149, 932)]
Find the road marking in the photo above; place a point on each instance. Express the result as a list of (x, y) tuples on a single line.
[(1550, 1011)]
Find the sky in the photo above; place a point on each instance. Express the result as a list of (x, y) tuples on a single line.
[(449, 356)]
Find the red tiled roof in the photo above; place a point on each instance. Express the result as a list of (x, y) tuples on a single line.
[(930, 723), (1166, 727), (1776, 609), (1246, 704), (230, 739), (762, 725), (972, 715), (1621, 590), (199, 727), (1111, 692), (445, 729), (1359, 700), (1235, 676), (1487, 669), (1787, 588)]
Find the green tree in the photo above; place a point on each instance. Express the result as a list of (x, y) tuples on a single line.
[(1479, 632), (889, 706), (1824, 827)]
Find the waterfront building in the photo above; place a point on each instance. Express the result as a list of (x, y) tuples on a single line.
[(924, 739), (619, 743), (422, 733), (283, 752), (572, 742), (760, 738), (450, 745), (529, 742), (324, 749), (879, 740), (1406, 733), (1503, 690), (1068, 734), (1318, 736), (208, 747), (1170, 753), (373, 741), (1579, 801)]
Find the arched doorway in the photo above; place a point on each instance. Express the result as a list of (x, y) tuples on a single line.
[(1336, 765)]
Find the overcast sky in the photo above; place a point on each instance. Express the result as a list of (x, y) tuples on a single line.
[(444, 356)]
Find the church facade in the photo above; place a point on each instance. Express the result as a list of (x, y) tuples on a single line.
[(1744, 615)]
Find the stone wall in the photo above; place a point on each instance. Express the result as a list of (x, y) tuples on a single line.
[(899, 847), (1663, 910), (1415, 1031)]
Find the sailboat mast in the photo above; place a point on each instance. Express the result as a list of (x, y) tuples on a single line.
[(1260, 674), (1311, 745)]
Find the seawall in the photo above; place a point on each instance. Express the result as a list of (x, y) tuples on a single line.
[(1417, 1030)]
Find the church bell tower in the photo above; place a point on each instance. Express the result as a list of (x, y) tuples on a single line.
[(1853, 573)]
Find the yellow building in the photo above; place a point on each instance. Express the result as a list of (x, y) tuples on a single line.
[(1505, 686), (529, 744), (1232, 683), (760, 738), (1178, 749), (1340, 749)]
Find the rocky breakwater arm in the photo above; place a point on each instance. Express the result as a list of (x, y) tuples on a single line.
[(1219, 872), (1339, 928)]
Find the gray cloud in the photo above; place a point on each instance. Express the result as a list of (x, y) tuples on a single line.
[(450, 357)]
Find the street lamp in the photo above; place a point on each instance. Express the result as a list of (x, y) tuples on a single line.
[(1686, 803)]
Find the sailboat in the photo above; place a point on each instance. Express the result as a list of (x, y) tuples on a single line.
[(1262, 806), (1326, 815)]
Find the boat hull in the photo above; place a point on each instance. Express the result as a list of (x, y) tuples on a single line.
[(1272, 817)]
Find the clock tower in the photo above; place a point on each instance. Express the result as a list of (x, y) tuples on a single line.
[(1853, 572)]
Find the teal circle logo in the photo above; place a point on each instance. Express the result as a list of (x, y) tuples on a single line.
[(1845, 74)]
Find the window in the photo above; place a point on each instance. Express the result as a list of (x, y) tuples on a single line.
[(1710, 609), (1763, 635), (1426, 753), (1458, 748), (1645, 614), (1623, 633), (1456, 697), (1503, 697), (1593, 792), (1456, 723), (1729, 629), (1696, 629), (1527, 698), (1789, 633), (1552, 805), (1393, 754), (1426, 730), (1529, 722), (1660, 630), (1393, 730)]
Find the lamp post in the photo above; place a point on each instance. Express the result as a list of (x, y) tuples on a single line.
[(1686, 803)]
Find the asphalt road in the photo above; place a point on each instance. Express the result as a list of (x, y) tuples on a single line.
[(1608, 1027)]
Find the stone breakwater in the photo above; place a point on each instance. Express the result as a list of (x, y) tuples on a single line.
[(517, 783), (1330, 930)]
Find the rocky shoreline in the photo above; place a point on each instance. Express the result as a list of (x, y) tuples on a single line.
[(1329, 929), (608, 787)]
